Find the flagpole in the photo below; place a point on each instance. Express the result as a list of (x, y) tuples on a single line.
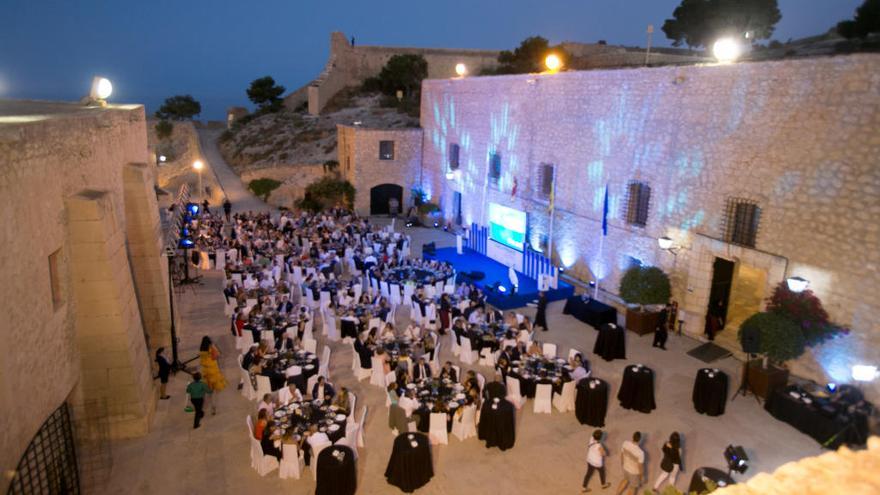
[(601, 241), (552, 216), (601, 245)]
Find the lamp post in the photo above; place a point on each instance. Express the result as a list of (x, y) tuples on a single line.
[(198, 165)]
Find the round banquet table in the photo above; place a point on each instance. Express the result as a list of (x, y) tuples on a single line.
[(717, 476), (532, 371), (410, 467), (497, 424), (591, 403), (436, 395), (710, 392), (277, 363), (336, 474), (637, 389), (296, 417), (610, 343)]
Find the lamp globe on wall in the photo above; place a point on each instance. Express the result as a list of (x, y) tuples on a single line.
[(101, 89), (864, 373), (726, 50), (553, 62), (665, 242), (797, 284), (461, 69)]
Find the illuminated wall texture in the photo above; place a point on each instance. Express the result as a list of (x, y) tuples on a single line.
[(799, 137)]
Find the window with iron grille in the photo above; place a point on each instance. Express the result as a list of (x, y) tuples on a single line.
[(494, 168), (545, 187), (638, 201), (453, 156), (743, 217), (386, 150)]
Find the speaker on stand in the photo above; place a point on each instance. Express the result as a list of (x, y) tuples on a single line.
[(750, 338)]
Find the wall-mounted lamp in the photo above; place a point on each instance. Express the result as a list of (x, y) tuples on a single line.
[(460, 69), (797, 284), (864, 373), (666, 244)]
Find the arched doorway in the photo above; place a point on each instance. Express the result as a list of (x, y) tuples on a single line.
[(381, 194)]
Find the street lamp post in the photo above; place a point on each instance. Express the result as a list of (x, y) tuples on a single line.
[(198, 165)]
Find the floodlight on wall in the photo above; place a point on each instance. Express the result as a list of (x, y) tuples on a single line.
[(864, 373), (198, 165), (664, 242), (726, 50), (450, 175), (163, 158), (797, 284), (101, 89), (460, 69), (553, 62)]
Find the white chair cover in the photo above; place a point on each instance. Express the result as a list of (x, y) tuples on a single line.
[(543, 398), (465, 426), (513, 394), (247, 388), (549, 350), (377, 376), (466, 355), (292, 462), (437, 431), (330, 327), (395, 294), (263, 464), (264, 386), (310, 345), (565, 401)]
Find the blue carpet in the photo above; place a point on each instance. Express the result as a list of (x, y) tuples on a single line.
[(470, 261)]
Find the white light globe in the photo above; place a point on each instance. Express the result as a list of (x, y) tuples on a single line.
[(864, 373), (198, 165), (103, 88), (726, 50), (460, 69), (553, 62), (797, 284)]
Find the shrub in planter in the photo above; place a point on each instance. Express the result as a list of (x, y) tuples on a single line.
[(781, 339), (262, 188), (327, 192), (644, 285), (806, 311)]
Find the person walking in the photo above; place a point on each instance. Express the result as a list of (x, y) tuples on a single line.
[(227, 209), (197, 391), (596, 454), (541, 314), (208, 355), (632, 459), (670, 465), (660, 332), (164, 372)]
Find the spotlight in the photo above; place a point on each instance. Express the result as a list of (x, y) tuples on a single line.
[(192, 208), (102, 88), (198, 165), (561, 269), (736, 457), (460, 69), (864, 373), (446, 228), (664, 242), (185, 243), (502, 289), (553, 62), (436, 224), (831, 387), (163, 158), (726, 50), (797, 284)]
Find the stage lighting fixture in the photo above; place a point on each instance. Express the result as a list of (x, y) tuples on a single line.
[(192, 209), (561, 269), (446, 228), (553, 62), (436, 224), (831, 387), (726, 50), (502, 289), (460, 69), (864, 373), (797, 284), (198, 164), (184, 232), (736, 457), (163, 158), (102, 88), (185, 243)]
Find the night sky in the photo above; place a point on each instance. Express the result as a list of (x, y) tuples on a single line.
[(212, 49)]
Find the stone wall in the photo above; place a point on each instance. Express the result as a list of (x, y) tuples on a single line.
[(800, 138), (182, 150), (53, 154), (359, 161), (293, 178)]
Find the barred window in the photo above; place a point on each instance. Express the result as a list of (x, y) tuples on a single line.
[(494, 168), (386, 150), (638, 201), (546, 176), (454, 150), (743, 217)]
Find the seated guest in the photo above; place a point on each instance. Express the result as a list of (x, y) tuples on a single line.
[(322, 390), (267, 443), (342, 400), (476, 316), (470, 381), (260, 425), (412, 332), (580, 370), (248, 359), (391, 390), (268, 404), (387, 332), (314, 440), (448, 372), (535, 350), (421, 370), (429, 344), (287, 342), (502, 365), (290, 393)]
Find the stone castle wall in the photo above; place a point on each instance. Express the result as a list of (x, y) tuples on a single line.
[(800, 137), (293, 178)]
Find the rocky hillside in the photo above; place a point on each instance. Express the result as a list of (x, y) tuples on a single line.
[(290, 137)]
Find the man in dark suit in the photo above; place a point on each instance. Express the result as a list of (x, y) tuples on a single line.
[(323, 390), (541, 314), (421, 370), (364, 354), (449, 372), (660, 333), (248, 359)]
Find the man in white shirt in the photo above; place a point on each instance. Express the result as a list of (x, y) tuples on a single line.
[(267, 404), (289, 394), (317, 441), (595, 461), (632, 458)]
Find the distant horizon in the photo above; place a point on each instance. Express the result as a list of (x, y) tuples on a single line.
[(213, 49)]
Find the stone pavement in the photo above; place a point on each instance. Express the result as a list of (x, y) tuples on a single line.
[(550, 450), (233, 188)]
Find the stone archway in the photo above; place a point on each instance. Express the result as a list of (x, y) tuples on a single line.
[(380, 196)]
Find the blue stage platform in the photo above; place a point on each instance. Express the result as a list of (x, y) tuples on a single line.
[(470, 261)]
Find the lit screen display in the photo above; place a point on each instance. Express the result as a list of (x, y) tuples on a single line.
[(507, 226)]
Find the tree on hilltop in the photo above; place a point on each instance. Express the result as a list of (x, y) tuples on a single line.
[(403, 72), (528, 57), (700, 22), (865, 22), (164, 129), (266, 94), (180, 107)]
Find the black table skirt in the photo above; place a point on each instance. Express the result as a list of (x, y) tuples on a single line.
[(610, 343), (410, 468), (348, 328), (591, 404), (334, 477), (637, 390), (528, 387), (831, 431), (592, 312), (497, 426), (710, 392), (716, 475)]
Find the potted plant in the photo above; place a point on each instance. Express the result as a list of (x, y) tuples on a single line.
[(643, 286), (780, 340), (429, 213)]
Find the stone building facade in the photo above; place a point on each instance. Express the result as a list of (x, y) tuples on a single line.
[(85, 282), (797, 139), (364, 160)]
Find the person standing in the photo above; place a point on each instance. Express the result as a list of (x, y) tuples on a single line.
[(164, 372), (632, 459), (660, 333), (670, 465), (595, 461), (227, 209), (208, 355), (541, 314), (197, 391)]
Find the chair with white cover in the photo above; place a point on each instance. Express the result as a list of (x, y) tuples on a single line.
[(392, 313), (264, 386), (310, 385), (310, 298), (244, 342), (268, 336), (437, 431), (481, 381), (465, 425), (352, 402), (573, 352), (456, 349), (375, 323), (487, 357), (362, 423), (466, 355), (549, 350), (324, 367), (358, 290), (449, 289), (395, 294), (307, 329), (330, 327), (310, 345), (513, 394), (316, 449), (383, 289), (236, 277), (247, 388), (543, 398), (377, 374), (292, 462), (565, 401), (408, 291), (430, 320), (250, 424), (458, 373), (390, 377), (438, 288), (263, 464), (325, 299), (524, 336), (228, 306), (350, 438)]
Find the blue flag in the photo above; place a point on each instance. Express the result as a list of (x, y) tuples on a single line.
[(605, 213)]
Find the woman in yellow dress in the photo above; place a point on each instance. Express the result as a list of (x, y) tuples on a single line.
[(208, 354)]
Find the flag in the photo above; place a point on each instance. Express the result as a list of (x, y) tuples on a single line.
[(513, 189), (552, 198), (605, 213)]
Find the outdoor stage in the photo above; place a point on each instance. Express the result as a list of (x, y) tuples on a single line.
[(470, 261)]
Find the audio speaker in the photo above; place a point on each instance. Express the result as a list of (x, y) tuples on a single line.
[(751, 340)]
